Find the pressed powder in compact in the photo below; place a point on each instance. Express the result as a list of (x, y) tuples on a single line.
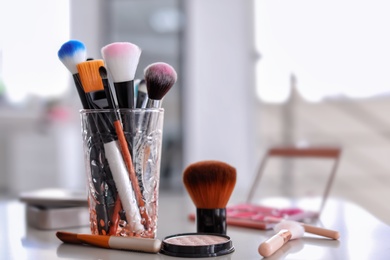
[(197, 245)]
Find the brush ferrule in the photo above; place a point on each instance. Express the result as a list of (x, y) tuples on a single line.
[(155, 103), (99, 99), (211, 221), (125, 94)]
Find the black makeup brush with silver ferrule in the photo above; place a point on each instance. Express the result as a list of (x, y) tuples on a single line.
[(159, 78), (210, 185)]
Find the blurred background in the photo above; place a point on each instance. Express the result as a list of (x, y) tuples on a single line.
[(252, 75)]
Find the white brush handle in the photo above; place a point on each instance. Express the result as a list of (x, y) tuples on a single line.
[(123, 185), (275, 242), (135, 244)]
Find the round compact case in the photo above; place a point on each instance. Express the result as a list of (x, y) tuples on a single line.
[(197, 245)]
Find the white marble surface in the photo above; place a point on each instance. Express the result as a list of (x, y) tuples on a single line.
[(362, 236)]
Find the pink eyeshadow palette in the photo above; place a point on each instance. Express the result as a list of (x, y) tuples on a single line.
[(197, 245), (262, 217)]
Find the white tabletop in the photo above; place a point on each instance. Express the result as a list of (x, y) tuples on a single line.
[(362, 236)]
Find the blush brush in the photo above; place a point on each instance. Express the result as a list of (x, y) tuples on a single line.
[(70, 54), (210, 185), (159, 79), (121, 59)]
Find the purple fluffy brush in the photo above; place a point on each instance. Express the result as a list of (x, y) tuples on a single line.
[(159, 78)]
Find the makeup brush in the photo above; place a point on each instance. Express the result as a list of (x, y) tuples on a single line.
[(121, 59), (118, 205), (121, 167), (124, 147), (100, 127), (70, 54), (92, 83), (285, 232), (159, 79), (324, 232), (210, 185), (147, 245), (260, 224)]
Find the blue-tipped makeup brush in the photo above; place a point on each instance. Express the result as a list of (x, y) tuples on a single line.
[(70, 54)]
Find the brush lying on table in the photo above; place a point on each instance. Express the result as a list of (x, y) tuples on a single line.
[(147, 245), (285, 231)]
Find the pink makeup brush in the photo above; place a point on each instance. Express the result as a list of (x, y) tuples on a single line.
[(121, 59)]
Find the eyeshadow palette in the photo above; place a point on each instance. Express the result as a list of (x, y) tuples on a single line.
[(262, 217)]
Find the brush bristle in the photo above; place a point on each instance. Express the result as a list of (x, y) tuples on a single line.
[(68, 237), (90, 76), (159, 78), (210, 183), (295, 228), (121, 60), (72, 53)]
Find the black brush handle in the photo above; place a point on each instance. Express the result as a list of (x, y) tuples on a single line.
[(99, 99), (211, 221), (99, 183), (125, 94), (80, 91)]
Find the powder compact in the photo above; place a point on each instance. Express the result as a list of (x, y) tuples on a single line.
[(197, 245)]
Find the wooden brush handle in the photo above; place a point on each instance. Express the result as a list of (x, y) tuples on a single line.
[(321, 231), (275, 242), (130, 168), (115, 216)]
